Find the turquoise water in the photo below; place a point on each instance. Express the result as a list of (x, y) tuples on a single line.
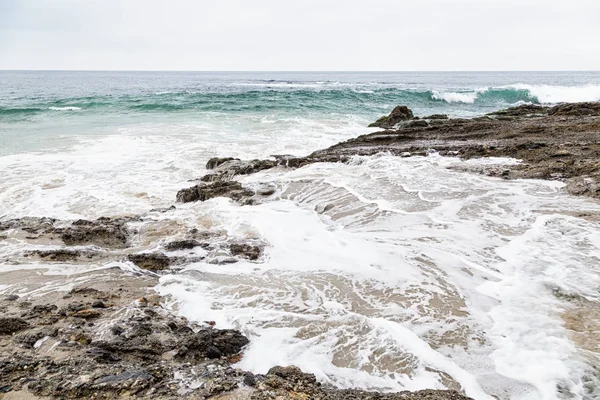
[(38, 109)]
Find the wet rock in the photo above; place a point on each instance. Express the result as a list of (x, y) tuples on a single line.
[(129, 380), (216, 161), (62, 255), (417, 124), (436, 116), (104, 232), (11, 297), (187, 244), (248, 251), (576, 109), (29, 224), (216, 342), (249, 379), (30, 338), (87, 314), (9, 325), (231, 189), (164, 210), (398, 114), (221, 385), (524, 110), (150, 261)]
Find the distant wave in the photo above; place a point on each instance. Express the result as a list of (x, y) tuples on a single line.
[(357, 98), (65, 108)]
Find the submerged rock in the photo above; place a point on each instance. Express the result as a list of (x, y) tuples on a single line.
[(398, 114)]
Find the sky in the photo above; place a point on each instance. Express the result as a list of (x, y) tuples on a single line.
[(311, 35)]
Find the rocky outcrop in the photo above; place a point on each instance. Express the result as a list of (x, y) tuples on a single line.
[(150, 261), (202, 192), (104, 232), (576, 109), (398, 114)]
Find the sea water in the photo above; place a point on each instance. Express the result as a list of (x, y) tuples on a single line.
[(384, 273)]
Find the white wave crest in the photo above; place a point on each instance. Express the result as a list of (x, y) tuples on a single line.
[(560, 94), (65, 108), (456, 97)]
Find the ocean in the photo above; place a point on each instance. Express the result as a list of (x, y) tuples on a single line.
[(385, 273)]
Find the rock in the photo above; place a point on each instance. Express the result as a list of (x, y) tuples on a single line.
[(436, 116), (30, 338), (249, 379), (150, 261), (129, 380), (98, 304), (87, 314), (417, 124), (232, 189), (61, 255), (524, 110), (398, 114), (29, 224), (102, 232), (248, 251), (183, 245), (576, 109), (216, 161), (11, 297), (9, 325)]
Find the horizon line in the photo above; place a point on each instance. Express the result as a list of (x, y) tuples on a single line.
[(289, 71)]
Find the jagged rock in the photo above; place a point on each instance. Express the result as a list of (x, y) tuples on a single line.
[(102, 232), (576, 109), (231, 189), (216, 161), (29, 224), (398, 114), (150, 261), (524, 110)]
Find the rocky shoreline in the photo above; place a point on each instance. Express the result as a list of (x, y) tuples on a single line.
[(112, 337)]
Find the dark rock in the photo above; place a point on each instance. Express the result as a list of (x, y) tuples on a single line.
[(150, 261), (29, 224), (213, 352), (11, 297), (127, 380), (182, 245), (248, 251), (524, 110), (61, 255), (216, 161), (398, 114), (249, 379), (163, 210), (231, 189), (102, 232), (576, 109), (30, 338), (436, 116), (9, 325)]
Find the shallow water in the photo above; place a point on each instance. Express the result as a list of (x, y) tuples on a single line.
[(389, 273)]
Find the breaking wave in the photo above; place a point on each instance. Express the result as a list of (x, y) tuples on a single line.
[(358, 99)]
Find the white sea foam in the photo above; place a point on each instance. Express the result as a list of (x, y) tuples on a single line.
[(391, 273)]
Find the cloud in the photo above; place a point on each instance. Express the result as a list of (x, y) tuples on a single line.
[(308, 35)]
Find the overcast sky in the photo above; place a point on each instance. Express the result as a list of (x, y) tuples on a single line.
[(389, 35)]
